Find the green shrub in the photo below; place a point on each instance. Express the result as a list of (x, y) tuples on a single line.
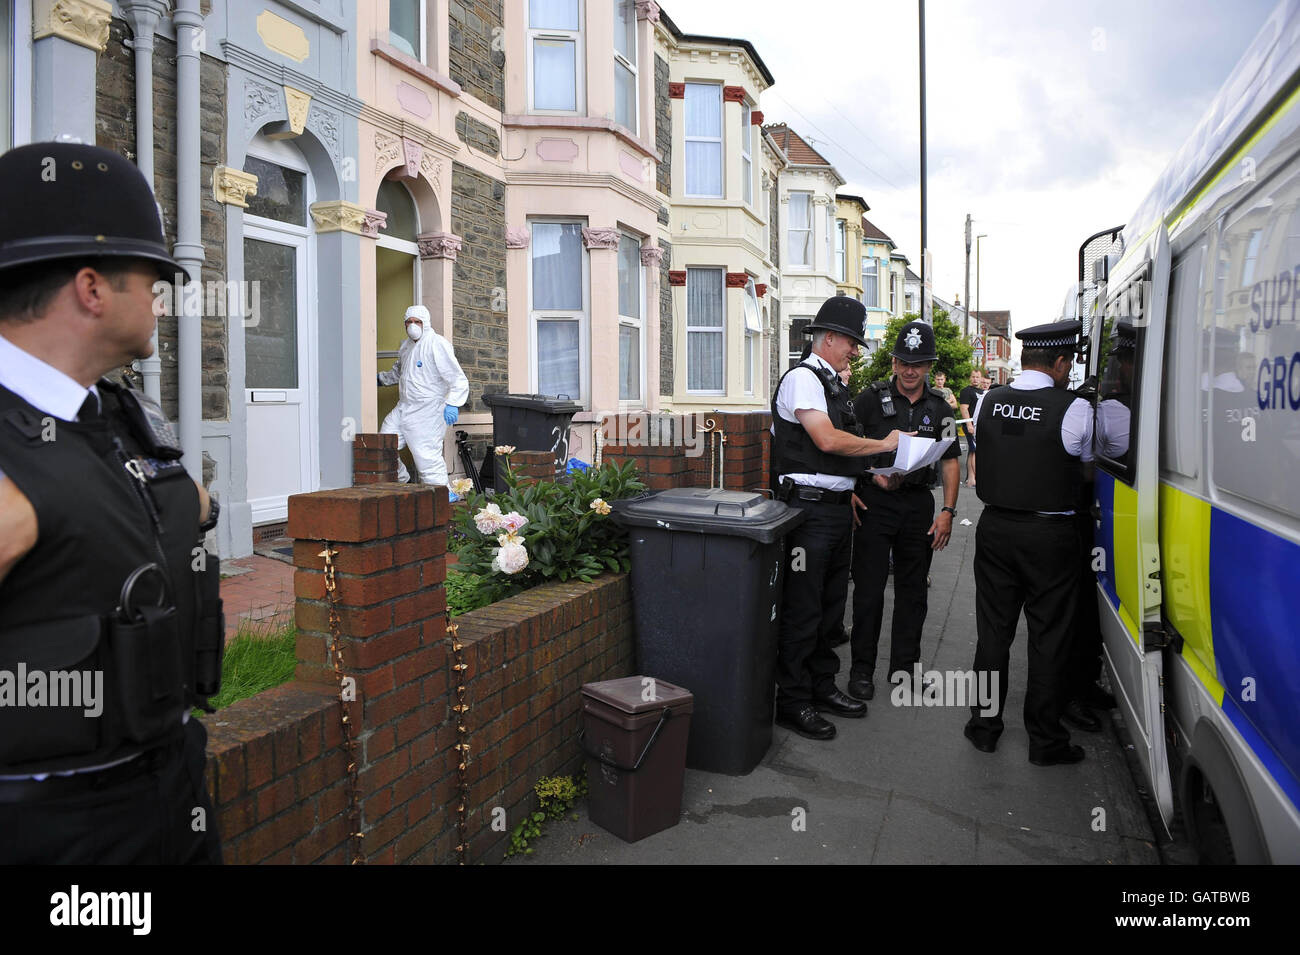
[(564, 537), (555, 797), (465, 592)]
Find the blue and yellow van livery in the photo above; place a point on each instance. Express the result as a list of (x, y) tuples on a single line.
[(1195, 342)]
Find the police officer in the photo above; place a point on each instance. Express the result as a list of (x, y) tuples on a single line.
[(1035, 440), (817, 454), (897, 512), (110, 619)]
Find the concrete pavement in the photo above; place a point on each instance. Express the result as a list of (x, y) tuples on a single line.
[(901, 786)]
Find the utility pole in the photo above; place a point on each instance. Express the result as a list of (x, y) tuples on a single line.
[(966, 297), (925, 297)]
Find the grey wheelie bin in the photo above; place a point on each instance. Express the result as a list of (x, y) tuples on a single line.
[(707, 571), (532, 423)]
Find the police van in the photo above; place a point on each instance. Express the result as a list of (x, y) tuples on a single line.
[(1192, 329)]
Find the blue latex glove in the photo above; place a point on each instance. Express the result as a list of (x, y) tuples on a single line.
[(450, 414)]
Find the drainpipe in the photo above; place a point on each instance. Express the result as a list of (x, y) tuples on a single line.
[(189, 239), (143, 15)]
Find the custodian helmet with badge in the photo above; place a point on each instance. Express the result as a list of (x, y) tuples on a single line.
[(842, 314), (73, 201), (915, 344)]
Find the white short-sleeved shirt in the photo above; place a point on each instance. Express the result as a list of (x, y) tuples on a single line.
[(1076, 426), (804, 392)]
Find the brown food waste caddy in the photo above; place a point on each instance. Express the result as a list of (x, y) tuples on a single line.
[(634, 736)]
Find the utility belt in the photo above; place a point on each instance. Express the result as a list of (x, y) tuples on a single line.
[(1012, 514), (56, 787), (788, 491), (91, 687)]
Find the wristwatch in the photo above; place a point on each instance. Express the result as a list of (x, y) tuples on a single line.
[(950, 510), (214, 514)]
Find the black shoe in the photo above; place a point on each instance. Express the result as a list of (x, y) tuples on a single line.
[(861, 688), (1097, 698), (806, 722), (1062, 757), (1076, 714), (984, 746), (839, 704)]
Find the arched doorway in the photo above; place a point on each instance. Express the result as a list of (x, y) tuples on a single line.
[(397, 281), (280, 336)]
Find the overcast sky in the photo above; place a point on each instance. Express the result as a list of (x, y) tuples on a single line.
[(1047, 121)]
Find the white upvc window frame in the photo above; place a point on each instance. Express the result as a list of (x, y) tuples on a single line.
[(753, 338), (582, 317), (422, 22), (639, 324), (721, 330), (720, 139), (746, 154), (893, 292), (875, 284), (579, 62), (807, 264), (841, 253), (632, 67)]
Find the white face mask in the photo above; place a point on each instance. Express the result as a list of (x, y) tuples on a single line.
[(414, 331)]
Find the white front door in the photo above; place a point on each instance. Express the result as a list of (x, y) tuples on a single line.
[(277, 370)]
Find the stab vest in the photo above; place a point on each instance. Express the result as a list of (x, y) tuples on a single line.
[(1023, 464), (106, 505), (793, 449)]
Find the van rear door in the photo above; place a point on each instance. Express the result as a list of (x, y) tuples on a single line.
[(1127, 357)]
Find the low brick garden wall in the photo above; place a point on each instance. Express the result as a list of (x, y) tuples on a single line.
[(276, 767), (675, 450)]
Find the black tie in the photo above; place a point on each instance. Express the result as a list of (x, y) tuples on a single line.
[(89, 408)]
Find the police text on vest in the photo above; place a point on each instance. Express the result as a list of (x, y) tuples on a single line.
[(1020, 412)]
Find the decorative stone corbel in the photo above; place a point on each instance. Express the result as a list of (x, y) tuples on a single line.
[(517, 237), (83, 22), (439, 245), (338, 215), (373, 222), (233, 186), (647, 10), (600, 238), (652, 256)]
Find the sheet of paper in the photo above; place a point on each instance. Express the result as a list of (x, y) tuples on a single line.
[(914, 453)]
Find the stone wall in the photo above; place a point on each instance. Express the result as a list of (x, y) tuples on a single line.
[(774, 227), (477, 134), (778, 344), (663, 127), (478, 216), (475, 63), (665, 323), (115, 130)]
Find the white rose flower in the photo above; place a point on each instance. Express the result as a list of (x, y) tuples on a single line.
[(513, 522), (462, 486), (599, 506), (505, 449), (511, 558), (489, 519)]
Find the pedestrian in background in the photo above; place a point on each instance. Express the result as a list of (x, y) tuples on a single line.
[(969, 397)]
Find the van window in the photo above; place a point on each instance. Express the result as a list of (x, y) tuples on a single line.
[(1180, 430), (1123, 335), (1252, 365)]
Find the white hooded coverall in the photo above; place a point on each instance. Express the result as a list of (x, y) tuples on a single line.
[(428, 378)]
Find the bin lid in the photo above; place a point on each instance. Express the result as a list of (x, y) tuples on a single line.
[(710, 511), (550, 404), (628, 694)]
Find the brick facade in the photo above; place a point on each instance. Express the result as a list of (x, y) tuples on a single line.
[(475, 63), (277, 769), (374, 459), (481, 335), (115, 130), (676, 450)]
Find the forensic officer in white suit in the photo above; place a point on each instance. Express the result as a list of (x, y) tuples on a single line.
[(431, 389)]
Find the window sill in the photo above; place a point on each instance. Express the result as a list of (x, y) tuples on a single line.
[(573, 121), (409, 64)]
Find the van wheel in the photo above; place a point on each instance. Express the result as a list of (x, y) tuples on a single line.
[(1213, 844)]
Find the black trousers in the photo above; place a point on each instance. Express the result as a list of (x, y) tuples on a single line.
[(161, 816), (1030, 562), (896, 521), (816, 581), (1085, 652)]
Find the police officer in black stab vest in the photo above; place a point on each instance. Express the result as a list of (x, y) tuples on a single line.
[(817, 455), (898, 511), (1035, 441), (110, 617)]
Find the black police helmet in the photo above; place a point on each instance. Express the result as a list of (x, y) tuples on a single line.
[(915, 344), (842, 314), (73, 201)]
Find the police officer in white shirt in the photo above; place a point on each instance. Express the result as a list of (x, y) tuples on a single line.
[(817, 455), (1035, 441)]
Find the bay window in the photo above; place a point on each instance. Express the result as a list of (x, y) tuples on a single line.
[(705, 317), (800, 229), (746, 154), (625, 69), (753, 335), (841, 274), (555, 55), (870, 287), (631, 300), (406, 20), (558, 307), (704, 140)]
